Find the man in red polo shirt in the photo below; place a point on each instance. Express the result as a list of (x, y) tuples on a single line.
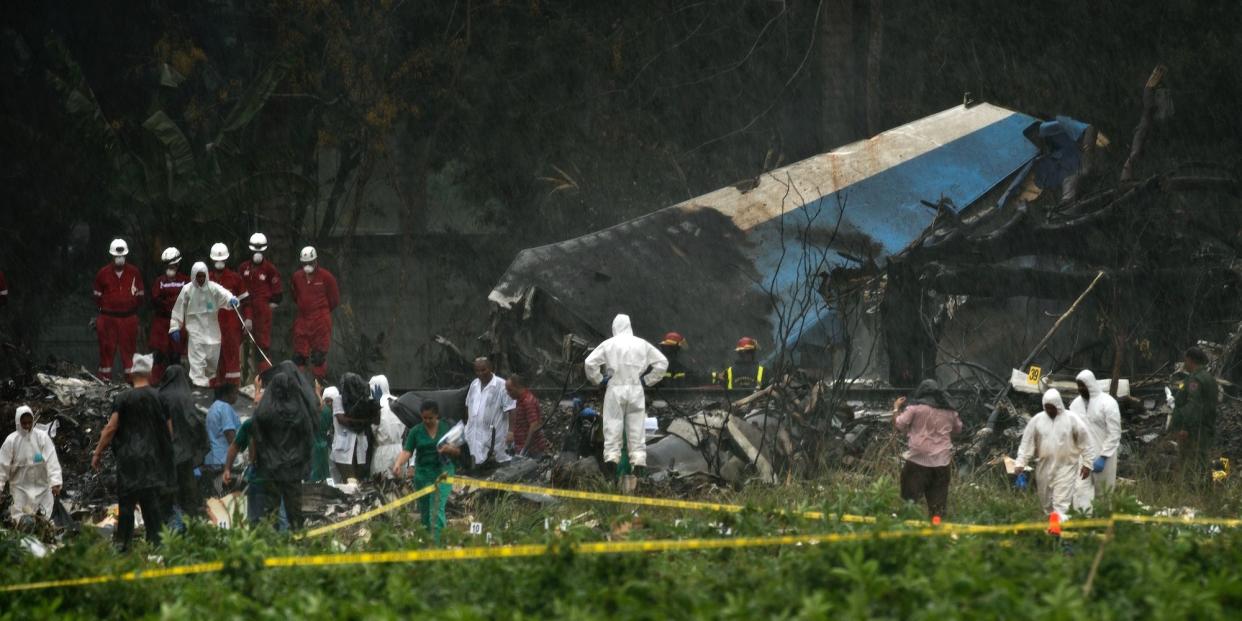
[(164, 292), (525, 421), (119, 289), (316, 294), (263, 282), (228, 370)]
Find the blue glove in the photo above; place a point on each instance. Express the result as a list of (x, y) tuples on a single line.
[(1020, 482), (1099, 464), (234, 302), (175, 336), (604, 382)]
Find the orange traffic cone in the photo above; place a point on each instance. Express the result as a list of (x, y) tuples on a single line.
[(1054, 524), (935, 520)]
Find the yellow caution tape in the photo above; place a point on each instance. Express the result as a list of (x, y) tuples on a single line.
[(619, 547), (644, 500), (362, 517)]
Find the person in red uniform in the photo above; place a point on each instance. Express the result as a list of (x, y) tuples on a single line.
[(263, 283), (315, 292), (164, 292), (228, 369), (118, 293)]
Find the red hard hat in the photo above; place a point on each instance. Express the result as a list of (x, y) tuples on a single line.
[(673, 338), (746, 344)]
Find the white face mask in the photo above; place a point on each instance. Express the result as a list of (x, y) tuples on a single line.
[(172, 271), (308, 268), (118, 261), (258, 257), (219, 265)]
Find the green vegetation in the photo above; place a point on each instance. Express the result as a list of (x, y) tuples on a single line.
[(1145, 572)]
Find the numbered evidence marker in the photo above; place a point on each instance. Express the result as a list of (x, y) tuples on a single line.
[(488, 537), (1033, 375), (476, 528)]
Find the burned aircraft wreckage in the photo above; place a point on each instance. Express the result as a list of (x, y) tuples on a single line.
[(945, 247)]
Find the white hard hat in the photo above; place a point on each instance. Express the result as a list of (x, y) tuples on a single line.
[(309, 254), (171, 255), (118, 248), (219, 252), (258, 242)]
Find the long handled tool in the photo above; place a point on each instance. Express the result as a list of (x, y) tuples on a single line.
[(251, 336)]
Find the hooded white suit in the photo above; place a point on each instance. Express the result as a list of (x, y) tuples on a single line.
[(196, 310), (29, 465), (388, 433), (1103, 418), (625, 358), (1062, 446)]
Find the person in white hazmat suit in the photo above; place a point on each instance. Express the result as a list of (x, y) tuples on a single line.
[(390, 431), (624, 359), (1064, 449), (29, 466), (1103, 417), (194, 316)]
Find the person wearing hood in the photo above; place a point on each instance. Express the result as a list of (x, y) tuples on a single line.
[(487, 419), (30, 468), (1063, 446), (230, 319), (1103, 417), (389, 432), (195, 317), (138, 434), (283, 432), (619, 363), (119, 290), (189, 437), (930, 421), (321, 445)]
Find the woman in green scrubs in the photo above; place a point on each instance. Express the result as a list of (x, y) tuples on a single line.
[(429, 463)]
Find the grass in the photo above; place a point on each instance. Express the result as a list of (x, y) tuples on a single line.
[(1145, 572)]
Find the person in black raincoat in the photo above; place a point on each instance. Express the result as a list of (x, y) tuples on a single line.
[(284, 433), (189, 437), (138, 433)]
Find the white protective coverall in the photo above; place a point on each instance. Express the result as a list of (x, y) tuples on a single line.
[(1103, 418), (625, 357), (487, 427), (388, 433), (1062, 446), (28, 464), (196, 310)]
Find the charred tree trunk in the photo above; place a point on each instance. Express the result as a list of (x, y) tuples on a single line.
[(911, 350), (839, 63)]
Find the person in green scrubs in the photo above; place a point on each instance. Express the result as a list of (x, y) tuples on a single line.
[(430, 462)]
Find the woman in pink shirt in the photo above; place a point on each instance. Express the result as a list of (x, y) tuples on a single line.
[(929, 422)]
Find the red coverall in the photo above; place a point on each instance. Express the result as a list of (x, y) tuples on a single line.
[(164, 292), (263, 283), (118, 292), (228, 369), (316, 296)]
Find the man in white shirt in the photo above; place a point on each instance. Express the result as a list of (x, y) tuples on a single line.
[(487, 419)]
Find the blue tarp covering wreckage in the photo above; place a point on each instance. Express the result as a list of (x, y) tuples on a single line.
[(746, 259)]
